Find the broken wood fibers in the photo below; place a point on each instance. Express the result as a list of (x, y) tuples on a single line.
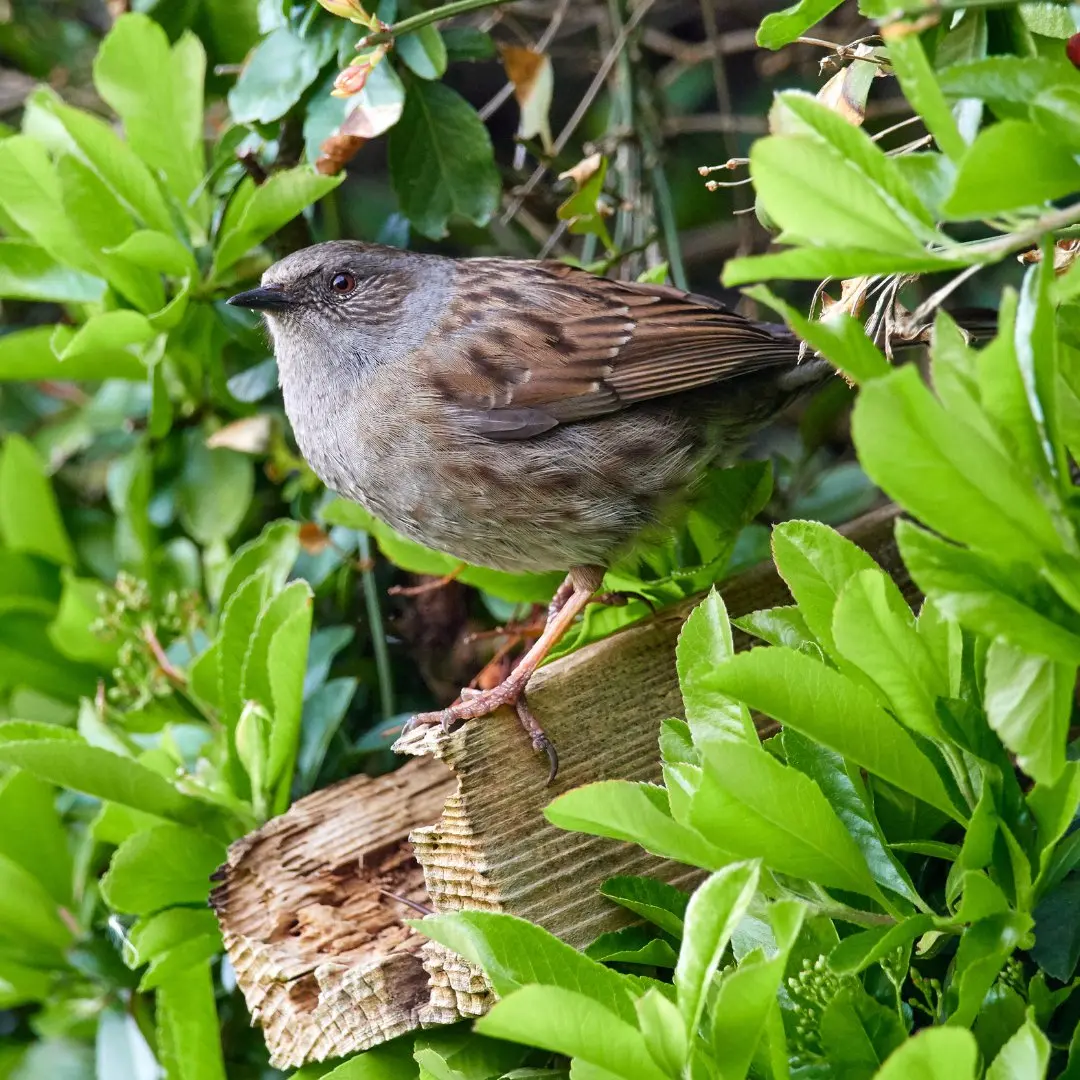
[(311, 906)]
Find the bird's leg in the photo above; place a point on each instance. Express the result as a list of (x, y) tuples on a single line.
[(428, 586), (575, 593)]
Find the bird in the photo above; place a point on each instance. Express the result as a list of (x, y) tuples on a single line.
[(524, 415)]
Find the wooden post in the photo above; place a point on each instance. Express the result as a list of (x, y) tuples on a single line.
[(309, 906)]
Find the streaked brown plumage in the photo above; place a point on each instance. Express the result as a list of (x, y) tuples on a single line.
[(519, 415)]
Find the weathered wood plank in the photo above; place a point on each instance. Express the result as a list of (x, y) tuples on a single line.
[(325, 963)]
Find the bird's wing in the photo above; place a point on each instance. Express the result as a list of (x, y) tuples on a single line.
[(526, 346)]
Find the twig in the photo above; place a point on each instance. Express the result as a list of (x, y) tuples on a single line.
[(175, 676), (425, 18), (583, 105)]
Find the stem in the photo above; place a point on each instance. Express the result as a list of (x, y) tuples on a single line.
[(1004, 245), (425, 18), (375, 622)]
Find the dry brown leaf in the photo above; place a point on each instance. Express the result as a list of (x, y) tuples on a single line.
[(251, 435), (1066, 253), (846, 92), (313, 538), (583, 170), (534, 81), (336, 152)]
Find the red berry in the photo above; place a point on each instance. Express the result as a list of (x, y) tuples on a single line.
[(1072, 50)]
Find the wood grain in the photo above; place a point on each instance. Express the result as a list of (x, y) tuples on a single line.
[(322, 956)]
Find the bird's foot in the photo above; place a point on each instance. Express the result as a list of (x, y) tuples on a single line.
[(475, 704)]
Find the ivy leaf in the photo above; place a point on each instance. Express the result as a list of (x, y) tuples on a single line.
[(441, 161)]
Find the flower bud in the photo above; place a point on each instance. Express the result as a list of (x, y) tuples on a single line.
[(348, 9), (352, 79)]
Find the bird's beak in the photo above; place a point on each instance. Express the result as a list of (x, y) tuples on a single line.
[(264, 298)]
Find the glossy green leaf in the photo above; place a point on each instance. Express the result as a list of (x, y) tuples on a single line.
[(280, 68), (858, 951), (920, 86), (32, 833), (160, 868), (874, 629), (423, 52), (1028, 701), (705, 640), (1011, 165), (255, 682), (286, 660), (762, 809), (832, 260), (662, 904), (946, 473), (822, 704), (394, 1061), (1025, 1056), (27, 911), (515, 953), (848, 797), (1016, 79), (637, 813), (985, 597), (214, 491), (71, 631), (29, 272), (189, 1038), (570, 1023), (935, 1053), (28, 356), (980, 956), (662, 1027), (747, 996), (29, 513), (1056, 112), (633, 945), (441, 161), (783, 27), (238, 622), (264, 209), (157, 90), (274, 550), (858, 1034), (70, 762), (715, 909), (1057, 929)]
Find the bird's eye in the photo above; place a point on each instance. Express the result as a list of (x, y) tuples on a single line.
[(343, 284)]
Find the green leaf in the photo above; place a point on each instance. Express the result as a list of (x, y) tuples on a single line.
[(29, 272), (276, 73), (1025, 1056), (27, 911), (1057, 929), (984, 597), (1028, 701), (158, 93), (265, 209), (1056, 111), (637, 813), (840, 260), (160, 868), (29, 513), (764, 810), (816, 562), (111, 332), (662, 904), (857, 952), (747, 996), (858, 1034), (633, 945), (287, 660), (157, 251), (1015, 79), (704, 640), (1054, 807), (441, 161), (715, 909), (822, 704), (97, 144), (862, 154), (28, 356), (570, 1023), (189, 1036), (29, 659), (275, 549), (71, 630), (873, 627), (848, 797), (839, 337), (514, 953), (32, 834), (779, 626), (946, 473), (65, 759), (811, 191), (935, 1053), (423, 52), (234, 639), (984, 947), (1011, 165), (214, 491), (920, 86), (394, 1061), (255, 683), (783, 27), (663, 1031)]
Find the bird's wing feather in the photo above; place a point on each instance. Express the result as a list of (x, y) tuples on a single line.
[(527, 341)]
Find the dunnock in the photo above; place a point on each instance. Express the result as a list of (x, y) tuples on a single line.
[(518, 415)]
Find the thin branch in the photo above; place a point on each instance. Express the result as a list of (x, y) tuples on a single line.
[(425, 18)]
